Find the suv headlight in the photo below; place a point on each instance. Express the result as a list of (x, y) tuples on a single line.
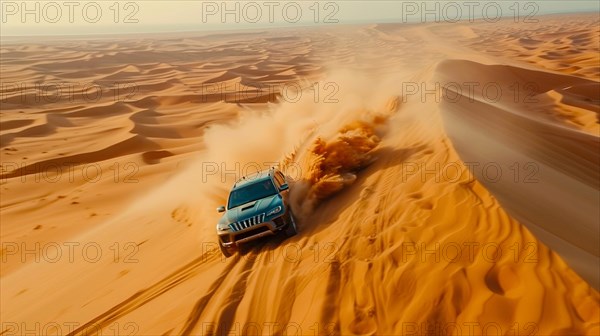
[(222, 228), (274, 211)]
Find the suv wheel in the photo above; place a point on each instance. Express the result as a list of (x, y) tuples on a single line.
[(291, 229), (227, 251)]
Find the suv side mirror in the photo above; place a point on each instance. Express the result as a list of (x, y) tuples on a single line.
[(221, 209), (284, 187)]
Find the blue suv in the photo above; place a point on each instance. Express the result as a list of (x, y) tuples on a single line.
[(257, 207)]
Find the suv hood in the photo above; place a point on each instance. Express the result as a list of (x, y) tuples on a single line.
[(250, 209)]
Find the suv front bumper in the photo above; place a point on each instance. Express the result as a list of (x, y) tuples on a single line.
[(268, 228)]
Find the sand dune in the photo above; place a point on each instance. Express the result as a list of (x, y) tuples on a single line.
[(549, 154), (556, 43), (401, 230)]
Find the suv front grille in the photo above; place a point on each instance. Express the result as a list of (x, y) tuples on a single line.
[(246, 223)]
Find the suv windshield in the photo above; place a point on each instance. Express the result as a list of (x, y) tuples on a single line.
[(251, 193)]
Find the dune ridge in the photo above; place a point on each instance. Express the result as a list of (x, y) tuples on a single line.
[(398, 233)]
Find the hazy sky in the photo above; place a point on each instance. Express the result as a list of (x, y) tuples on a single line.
[(110, 16)]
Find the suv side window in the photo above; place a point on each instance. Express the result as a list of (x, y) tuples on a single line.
[(279, 180)]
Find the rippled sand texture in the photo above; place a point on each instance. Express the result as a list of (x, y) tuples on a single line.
[(398, 233)]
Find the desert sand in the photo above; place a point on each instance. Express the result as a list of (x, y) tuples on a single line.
[(445, 179)]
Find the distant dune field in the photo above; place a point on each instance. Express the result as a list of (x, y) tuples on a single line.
[(446, 179)]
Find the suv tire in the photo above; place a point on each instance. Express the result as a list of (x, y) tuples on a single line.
[(227, 251), (291, 229)]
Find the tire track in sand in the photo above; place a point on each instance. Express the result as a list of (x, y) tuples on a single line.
[(146, 295), (236, 294)]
